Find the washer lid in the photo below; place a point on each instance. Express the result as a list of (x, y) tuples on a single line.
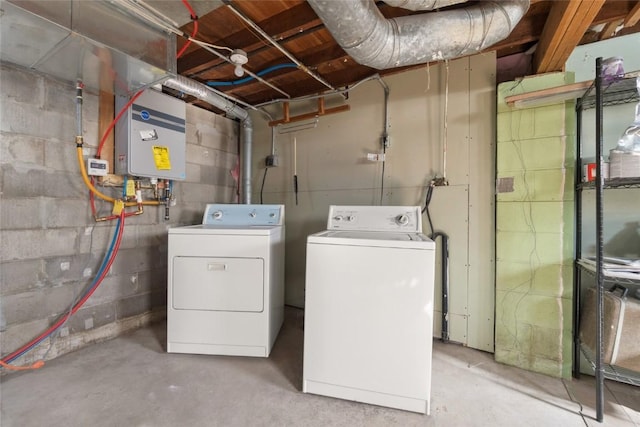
[(246, 230), (373, 238)]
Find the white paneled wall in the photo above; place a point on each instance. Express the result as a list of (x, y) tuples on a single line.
[(332, 168)]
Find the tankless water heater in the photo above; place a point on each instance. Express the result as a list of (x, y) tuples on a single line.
[(150, 138)]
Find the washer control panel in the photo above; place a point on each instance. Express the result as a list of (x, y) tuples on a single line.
[(243, 215), (375, 218)]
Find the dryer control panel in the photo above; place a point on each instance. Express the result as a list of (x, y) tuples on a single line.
[(375, 218), (243, 215)]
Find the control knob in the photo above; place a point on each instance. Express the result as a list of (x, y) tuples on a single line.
[(252, 214), (402, 219), (217, 215), (337, 218), (351, 218)]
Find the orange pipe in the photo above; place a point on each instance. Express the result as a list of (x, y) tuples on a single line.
[(36, 365)]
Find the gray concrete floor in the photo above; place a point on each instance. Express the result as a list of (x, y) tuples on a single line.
[(132, 381)]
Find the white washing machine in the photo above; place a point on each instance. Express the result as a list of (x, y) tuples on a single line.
[(226, 281), (369, 308)]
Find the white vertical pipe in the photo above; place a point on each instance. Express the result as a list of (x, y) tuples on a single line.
[(295, 156)]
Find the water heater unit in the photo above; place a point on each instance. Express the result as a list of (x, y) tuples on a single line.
[(150, 139)]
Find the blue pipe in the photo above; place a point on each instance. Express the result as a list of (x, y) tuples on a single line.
[(249, 78), (105, 261)]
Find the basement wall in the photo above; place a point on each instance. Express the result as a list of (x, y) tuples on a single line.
[(50, 244), (534, 223), (332, 168)]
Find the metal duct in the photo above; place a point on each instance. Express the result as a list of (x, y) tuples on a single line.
[(72, 39), (422, 4), (372, 40), (203, 92)]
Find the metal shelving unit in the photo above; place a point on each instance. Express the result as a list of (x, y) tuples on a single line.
[(613, 183), (612, 372), (599, 95)]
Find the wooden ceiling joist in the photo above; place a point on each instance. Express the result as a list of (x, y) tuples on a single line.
[(610, 29), (633, 17), (553, 27), (565, 26)]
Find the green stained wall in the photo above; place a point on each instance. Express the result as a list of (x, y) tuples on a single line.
[(534, 230)]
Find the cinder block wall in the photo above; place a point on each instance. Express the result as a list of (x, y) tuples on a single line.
[(534, 237), (50, 244)]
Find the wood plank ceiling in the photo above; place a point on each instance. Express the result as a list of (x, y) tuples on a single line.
[(550, 29)]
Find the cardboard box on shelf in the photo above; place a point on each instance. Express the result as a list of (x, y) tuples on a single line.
[(624, 164)]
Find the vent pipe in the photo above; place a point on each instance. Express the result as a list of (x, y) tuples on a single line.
[(422, 4), (372, 40), (204, 93)]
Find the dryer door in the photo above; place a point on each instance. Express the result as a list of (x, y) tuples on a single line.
[(219, 284)]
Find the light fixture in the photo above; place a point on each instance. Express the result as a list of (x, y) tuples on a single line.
[(238, 57)]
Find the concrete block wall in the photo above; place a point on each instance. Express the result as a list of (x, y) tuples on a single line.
[(534, 230), (50, 245)]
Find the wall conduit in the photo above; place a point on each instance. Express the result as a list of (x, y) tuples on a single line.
[(204, 93)]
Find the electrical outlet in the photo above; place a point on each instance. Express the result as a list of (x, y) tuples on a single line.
[(271, 161)]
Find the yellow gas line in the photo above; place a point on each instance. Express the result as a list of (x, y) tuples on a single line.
[(85, 178)]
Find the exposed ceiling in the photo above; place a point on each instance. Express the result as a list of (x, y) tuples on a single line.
[(549, 31)]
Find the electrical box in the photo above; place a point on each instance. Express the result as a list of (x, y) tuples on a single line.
[(271, 161), (150, 138), (97, 167)]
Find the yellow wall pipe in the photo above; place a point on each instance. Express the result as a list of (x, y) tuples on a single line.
[(85, 178)]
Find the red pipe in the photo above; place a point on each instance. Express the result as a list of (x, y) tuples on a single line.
[(194, 18), (79, 304)]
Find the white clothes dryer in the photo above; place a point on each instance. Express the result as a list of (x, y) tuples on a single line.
[(226, 281), (369, 308)]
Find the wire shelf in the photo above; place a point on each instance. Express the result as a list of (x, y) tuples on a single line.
[(612, 372), (618, 92), (633, 182), (621, 279)]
